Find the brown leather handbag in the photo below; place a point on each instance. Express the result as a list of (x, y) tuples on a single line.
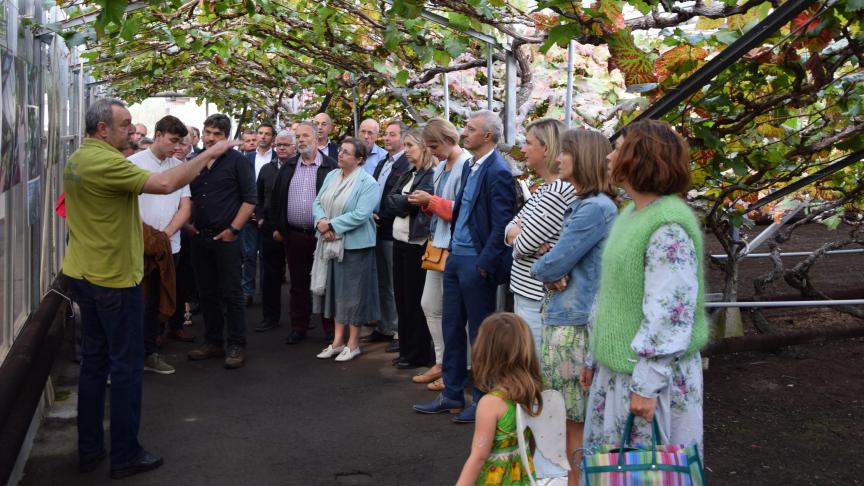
[(434, 258)]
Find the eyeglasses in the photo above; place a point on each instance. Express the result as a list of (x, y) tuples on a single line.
[(283, 145)]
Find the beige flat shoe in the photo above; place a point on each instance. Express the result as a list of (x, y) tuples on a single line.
[(428, 376), (437, 385)]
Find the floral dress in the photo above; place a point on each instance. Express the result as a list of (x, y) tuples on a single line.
[(504, 465), (663, 371)]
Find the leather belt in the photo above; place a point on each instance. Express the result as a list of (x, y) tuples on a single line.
[(298, 229)]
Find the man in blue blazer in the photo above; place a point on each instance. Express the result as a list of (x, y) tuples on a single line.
[(258, 158), (478, 262)]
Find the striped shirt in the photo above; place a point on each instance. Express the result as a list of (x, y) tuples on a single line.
[(542, 217)]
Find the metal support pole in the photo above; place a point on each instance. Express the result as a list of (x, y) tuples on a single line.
[(793, 254), (510, 100), (785, 303), (568, 101), (489, 94), (446, 96), (356, 110)]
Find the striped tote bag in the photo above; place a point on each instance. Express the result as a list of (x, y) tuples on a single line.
[(659, 465)]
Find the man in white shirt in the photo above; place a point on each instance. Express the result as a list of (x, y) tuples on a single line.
[(249, 238), (166, 213)]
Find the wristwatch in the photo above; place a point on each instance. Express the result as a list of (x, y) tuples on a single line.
[(234, 230)]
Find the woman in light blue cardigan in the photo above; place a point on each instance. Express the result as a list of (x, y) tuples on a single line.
[(344, 268)]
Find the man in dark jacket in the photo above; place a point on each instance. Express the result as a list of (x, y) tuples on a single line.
[(387, 173), (290, 210), (272, 251)]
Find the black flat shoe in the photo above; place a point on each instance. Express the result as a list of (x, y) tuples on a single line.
[(393, 347), (90, 464), (376, 337), (146, 461), (405, 365), (294, 337)]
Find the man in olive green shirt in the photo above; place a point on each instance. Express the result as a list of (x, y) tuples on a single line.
[(104, 264)]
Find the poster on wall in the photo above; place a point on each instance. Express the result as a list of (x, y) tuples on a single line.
[(10, 172)]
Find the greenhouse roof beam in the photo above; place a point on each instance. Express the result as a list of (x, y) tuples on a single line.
[(826, 171), (751, 39), (87, 19)]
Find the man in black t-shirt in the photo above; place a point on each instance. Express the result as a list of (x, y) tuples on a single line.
[(223, 198)]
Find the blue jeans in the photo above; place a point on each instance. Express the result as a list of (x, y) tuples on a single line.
[(250, 242), (529, 310), (112, 341), (470, 298)]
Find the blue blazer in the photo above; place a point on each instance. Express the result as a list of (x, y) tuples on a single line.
[(355, 224), (250, 157), (493, 209)]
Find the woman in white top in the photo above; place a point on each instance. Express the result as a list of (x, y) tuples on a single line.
[(410, 234), (539, 221)]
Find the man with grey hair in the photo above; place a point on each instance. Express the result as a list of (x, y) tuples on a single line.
[(368, 133), (478, 262), (272, 251), (104, 265), (294, 191)]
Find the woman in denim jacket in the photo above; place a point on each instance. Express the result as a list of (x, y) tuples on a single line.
[(571, 273)]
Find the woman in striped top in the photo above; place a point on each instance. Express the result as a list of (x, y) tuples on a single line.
[(539, 221)]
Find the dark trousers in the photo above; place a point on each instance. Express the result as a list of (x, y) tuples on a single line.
[(152, 324), (111, 342), (272, 271), (186, 286), (415, 342), (249, 241), (217, 269), (300, 249), (470, 298)]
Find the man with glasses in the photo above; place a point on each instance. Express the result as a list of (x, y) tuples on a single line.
[(272, 251), (140, 132)]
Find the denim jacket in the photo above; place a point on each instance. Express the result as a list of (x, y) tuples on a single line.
[(577, 255)]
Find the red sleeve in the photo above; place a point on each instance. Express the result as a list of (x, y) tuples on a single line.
[(443, 208)]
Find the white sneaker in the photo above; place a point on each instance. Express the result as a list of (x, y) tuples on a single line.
[(348, 354), (330, 351)]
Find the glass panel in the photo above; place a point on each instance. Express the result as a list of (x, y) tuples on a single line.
[(4, 252)]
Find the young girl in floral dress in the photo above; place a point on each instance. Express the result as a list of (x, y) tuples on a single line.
[(505, 366)]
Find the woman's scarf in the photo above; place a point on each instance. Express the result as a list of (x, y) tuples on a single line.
[(441, 235), (333, 201)]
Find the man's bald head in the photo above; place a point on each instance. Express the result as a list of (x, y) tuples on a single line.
[(324, 125), (369, 131)]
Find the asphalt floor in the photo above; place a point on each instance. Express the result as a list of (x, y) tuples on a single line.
[(286, 418)]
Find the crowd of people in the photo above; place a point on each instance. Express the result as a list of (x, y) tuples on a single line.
[(407, 243)]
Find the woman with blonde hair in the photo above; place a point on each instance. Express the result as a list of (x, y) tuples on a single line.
[(442, 139), (539, 220), (570, 271), (410, 234)]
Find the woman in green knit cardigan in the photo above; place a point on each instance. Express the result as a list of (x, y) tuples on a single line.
[(649, 319)]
